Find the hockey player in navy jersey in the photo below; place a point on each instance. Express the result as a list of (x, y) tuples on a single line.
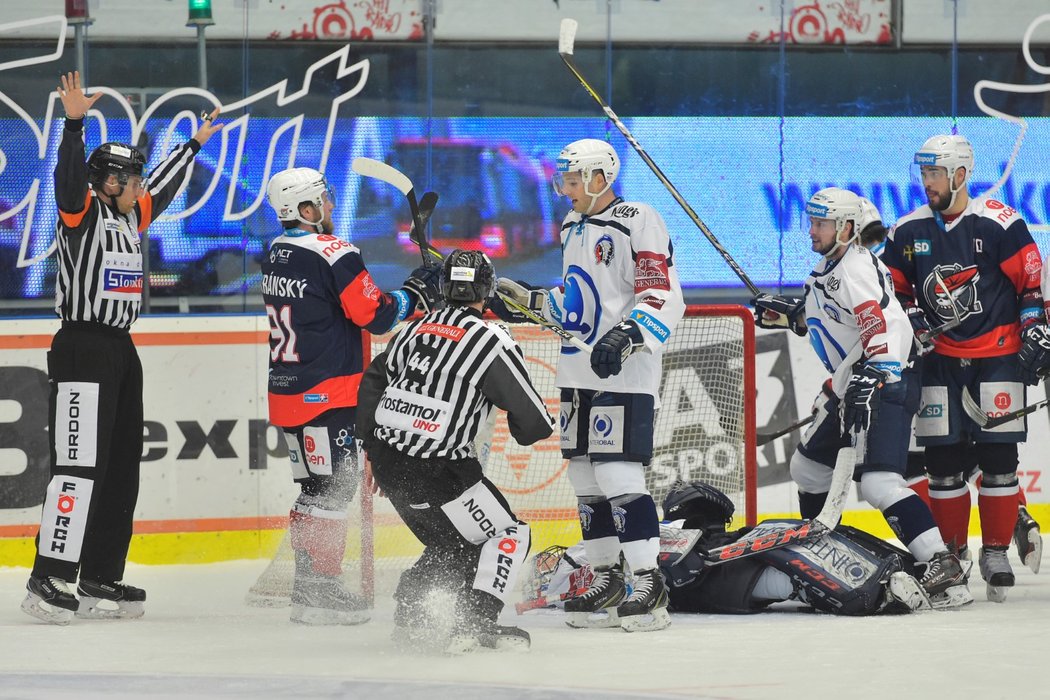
[(319, 300), (621, 296), (973, 259), (860, 332)]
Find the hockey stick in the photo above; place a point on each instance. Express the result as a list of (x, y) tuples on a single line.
[(763, 438), (566, 39), (540, 321), (370, 167), (973, 410)]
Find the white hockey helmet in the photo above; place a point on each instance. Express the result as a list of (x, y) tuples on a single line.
[(868, 214), (290, 188), (947, 151), (586, 156), (840, 206)]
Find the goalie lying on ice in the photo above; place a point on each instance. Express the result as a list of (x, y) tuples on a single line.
[(844, 572)]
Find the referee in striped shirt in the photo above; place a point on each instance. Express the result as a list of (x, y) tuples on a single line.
[(420, 405), (96, 379)]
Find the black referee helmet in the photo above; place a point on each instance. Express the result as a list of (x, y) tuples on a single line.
[(468, 277), (114, 158)]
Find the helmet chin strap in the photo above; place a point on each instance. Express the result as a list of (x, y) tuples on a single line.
[(854, 237), (594, 197)]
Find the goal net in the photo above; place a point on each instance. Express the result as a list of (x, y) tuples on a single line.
[(704, 429)]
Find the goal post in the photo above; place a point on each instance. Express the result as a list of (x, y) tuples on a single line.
[(704, 429)]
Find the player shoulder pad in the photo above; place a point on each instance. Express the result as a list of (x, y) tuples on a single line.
[(905, 222), (1002, 214), (330, 248), (630, 210)]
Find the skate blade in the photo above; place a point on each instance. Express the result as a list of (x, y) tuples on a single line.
[(905, 589), (53, 615), (509, 645), (953, 597), (652, 622), (461, 644), (255, 600), (997, 594), (99, 609), (1035, 557), (593, 620), (304, 615)]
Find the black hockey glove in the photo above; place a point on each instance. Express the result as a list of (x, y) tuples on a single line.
[(772, 311), (1034, 356), (532, 298), (613, 348), (920, 327), (860, 405), (424, 286)]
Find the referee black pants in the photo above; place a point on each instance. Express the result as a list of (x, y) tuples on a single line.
[(95, 426)]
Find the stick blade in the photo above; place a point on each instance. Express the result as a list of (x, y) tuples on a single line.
[(370, 167), (973, 409), (567, 36)]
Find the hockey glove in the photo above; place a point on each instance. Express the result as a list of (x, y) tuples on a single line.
[(532, 298), (772, 311), (1034, 356), (920, 327), (424, 287), (860, 405), (612, 349)]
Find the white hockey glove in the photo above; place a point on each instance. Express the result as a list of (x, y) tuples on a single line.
[(1034, 356), (772, 311), (532, 298), (860, 405)]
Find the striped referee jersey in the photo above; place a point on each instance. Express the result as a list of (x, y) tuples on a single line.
[(438, 381), (99, 249)]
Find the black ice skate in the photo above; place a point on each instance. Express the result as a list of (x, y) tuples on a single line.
[(102, 600), (478, 633), (1028, 541), (645, 610), (996, 571), (597, 606), (49, 599), (324, 600), (945, 581)]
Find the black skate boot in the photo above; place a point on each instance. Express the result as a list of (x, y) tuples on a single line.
[(324, 600), (49, 599), (1028, 540), (101, 600), (996, 571), (645, 610), (596, 607), (945, 581)]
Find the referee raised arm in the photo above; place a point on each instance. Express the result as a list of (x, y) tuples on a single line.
[(419, 408), (104, 204)]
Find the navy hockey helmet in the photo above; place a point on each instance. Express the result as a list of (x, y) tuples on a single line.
[(700, 504), (114, 158), (468, 277)]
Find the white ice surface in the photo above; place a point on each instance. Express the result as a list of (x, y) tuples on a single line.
[(198, 639)]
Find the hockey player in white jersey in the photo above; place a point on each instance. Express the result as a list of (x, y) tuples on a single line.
[(860, 332), (621, 296)]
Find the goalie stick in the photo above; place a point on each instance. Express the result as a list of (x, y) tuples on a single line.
[(566, 39), (421, 210), (973, 410)]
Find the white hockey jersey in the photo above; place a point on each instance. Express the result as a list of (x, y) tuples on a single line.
[(616, 264), (853, 315)]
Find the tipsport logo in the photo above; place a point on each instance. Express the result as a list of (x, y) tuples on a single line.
[(37, 197)]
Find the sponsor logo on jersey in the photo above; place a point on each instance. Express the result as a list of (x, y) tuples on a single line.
[(123, 282), (650, 271), (413, 413), (957, 294), (315, 398), (453, 333), (654, 302), (280, 255), (624, 211), (333, 247), (582, 309), (870, 323), (603, 250), (833, 284), (1033, 265), (279, 286), (832, 313), (931, 410), (369, 288), (921, 247), (650, 324), (994, 204)]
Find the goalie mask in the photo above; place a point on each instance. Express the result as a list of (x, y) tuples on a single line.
[(700, 504), (118, 159), (839, 206), (950, 152), (585, 157), (468, 277), (290, 188)]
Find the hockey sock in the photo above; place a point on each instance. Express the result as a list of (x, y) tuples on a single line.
[(950, 503), (913, 523), (810, 504), (638, 528), (921, 486), (321, 535), (599, 532), (997, 503)]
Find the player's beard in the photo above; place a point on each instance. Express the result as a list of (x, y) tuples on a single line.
[(942, 202)]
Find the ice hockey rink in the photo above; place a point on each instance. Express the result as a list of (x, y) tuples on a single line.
[(199, 639)]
